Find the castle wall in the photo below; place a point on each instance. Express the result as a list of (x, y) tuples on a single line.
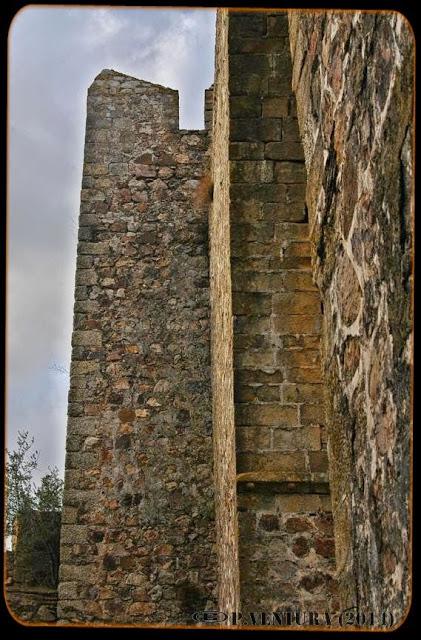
[(353, 79), (138, 534), (286, 543), (222, 335)]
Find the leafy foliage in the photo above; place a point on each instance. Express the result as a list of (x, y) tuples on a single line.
[(33, 515)]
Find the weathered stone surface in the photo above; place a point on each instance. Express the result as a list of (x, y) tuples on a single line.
[(222, 333), (306, 259), (277, 312), (138, 494), (353, 79), (36, 605)]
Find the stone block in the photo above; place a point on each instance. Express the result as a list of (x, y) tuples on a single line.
[(253, 439), (251, 171), (246, 150), (258, 304), (297, 439), (87, 338), (244, 376), (290, 172), (272, 414), (285, 150), (310, 393), (289, 324), (313, 413), (275, 107), (277, 26), (242, 25), (245, 107), (293, 462), (318, 461), (283, 209), (254, 358), (296, 303), (244, 65)]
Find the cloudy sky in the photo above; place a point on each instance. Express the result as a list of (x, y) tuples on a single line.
[(54, 55)]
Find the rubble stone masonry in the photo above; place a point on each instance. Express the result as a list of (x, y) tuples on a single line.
[(236, 362), (138, 533), (353, 75)]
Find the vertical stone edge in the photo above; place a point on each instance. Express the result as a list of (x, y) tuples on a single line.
[(339, 453), (360, 188), (222, 334)]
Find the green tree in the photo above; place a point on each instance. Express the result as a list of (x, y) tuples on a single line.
[(34, 515), (20, 466)]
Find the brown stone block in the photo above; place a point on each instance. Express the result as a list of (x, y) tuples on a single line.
[(275, 107), (268, 393), (243, 25), (262, 232), (245, 393), (318, 461), (252, 304), (313, 413), (87, 338), (142, 608), (290, 172), (299, 358), (258, 45), (298, 525), (300, 503), (291, 231), (251, 376), (284, 210), (243, 342), (266, 414), (296, 303), (310, 325), (290, 130), (260, 193), (284, 150), (92, 248), (305, 374), (325, 547), (297, 439), (253, 439), (279, 86), (299, 281), (271, 129), (297, 263), (241, 249), (269, 522), (251, 171), (251, 324), (277, 25), (249, 282), (281, 65), (246, 150), (252, 85), (245, 106), (246, 210), (293, 462), (301, 547), (311, 393), (258, 359), (298, 249)]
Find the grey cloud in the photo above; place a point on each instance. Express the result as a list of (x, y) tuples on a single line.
[(54, 56)]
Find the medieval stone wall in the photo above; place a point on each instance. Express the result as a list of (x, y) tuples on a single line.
[(138, 532), (286, 545), (222, 387), (222, 334), (353, 79)]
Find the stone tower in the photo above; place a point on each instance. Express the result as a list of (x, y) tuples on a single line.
[(138, 537), (237, 438)]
